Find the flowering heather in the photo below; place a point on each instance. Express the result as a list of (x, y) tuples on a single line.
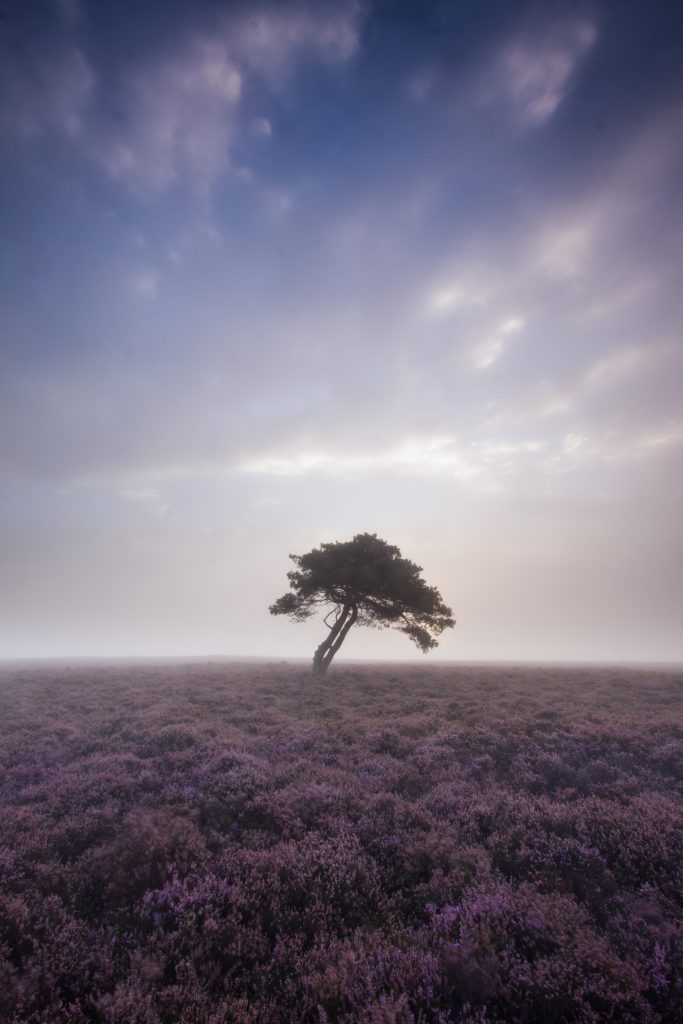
[(236, 844)]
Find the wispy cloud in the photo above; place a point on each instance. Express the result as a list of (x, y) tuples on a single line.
[(487, 352), (616, 448), (277, 204), (140, 493), (568, 240), (270, 39), (145, 283), (178, 111), (261, 127), (486, 464), (420, 84), (179, 120), (47, 92), (449, 298), (535, 69)]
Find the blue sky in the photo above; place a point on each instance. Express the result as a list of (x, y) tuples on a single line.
[(273, 274)]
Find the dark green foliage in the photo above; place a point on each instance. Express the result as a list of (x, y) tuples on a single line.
[(365, 580)]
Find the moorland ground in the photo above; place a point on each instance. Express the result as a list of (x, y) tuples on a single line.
[(215, 842)]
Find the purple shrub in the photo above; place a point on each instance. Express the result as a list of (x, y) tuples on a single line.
[(514, 946), (209, 843)]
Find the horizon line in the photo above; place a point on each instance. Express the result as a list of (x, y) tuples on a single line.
[(131, 659)]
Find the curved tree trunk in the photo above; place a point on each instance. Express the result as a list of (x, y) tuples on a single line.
[(331, 644)]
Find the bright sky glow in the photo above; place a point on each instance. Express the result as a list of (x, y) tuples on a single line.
[(276, 273)]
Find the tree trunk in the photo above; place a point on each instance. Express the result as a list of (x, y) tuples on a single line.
[(331, 644)]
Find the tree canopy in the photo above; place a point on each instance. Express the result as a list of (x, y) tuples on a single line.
[(364, 580)]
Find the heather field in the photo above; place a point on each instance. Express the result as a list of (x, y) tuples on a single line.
[(217, 842)]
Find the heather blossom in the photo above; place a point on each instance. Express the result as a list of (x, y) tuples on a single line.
[(213, 843)]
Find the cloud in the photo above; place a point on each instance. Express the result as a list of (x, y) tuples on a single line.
[(485, 464), (534, 71), (277, 204), (591, 266), (140, 493), (487, 352), (420, 84), (568, 239), (182, 112), (269, 39), (148, 498), (261, 127), (610, 377), (146, 283), (616, 365), (462, 293), (481, 464), (488, 464), (622, 447), (46, 92), (179, 120), (177, 108)]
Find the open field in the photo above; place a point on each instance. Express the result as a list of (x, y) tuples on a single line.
[(219, 842)]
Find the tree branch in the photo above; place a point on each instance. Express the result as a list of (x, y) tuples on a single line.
[(333, 611)]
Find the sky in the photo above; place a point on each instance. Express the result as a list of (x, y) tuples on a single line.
[(273, 274)]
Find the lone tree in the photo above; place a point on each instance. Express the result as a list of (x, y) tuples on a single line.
[(366, 581)]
